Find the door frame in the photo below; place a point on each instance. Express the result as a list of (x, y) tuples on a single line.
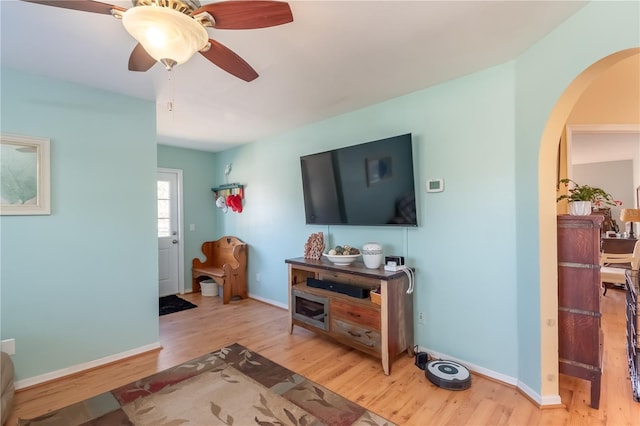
[(178, 173), (547, 225)]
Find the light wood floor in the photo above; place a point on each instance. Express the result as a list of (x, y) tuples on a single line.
[(406, 397)]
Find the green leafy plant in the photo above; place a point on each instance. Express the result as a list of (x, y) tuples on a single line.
[(597, 196)]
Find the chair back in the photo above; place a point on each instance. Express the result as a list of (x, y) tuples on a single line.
[(611, 274), (631, 258)]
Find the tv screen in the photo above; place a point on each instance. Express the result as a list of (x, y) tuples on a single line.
[(367, 184)]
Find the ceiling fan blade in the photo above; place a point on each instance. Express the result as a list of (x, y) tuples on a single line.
[(229, 61), (247, 14), (140, 60), (82, 5)]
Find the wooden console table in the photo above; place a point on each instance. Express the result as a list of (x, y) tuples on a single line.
[(383, 330)]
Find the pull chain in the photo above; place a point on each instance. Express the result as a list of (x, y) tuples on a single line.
[(170, 103)]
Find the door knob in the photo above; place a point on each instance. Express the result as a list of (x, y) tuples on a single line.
[(175, 241)]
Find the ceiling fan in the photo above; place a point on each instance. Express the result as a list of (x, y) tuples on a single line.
[(171, 31)]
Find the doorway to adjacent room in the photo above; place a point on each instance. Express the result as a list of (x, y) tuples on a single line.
[(170, 247)]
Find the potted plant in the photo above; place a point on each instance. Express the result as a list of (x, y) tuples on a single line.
[(582, 197)]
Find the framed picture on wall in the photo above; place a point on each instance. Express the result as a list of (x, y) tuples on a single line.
[(24, 175), (378, 169)]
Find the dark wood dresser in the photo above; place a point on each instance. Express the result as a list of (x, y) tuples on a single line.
[(633, 339), (579, 332)]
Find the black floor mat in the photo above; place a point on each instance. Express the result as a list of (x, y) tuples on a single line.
[(173, 303)]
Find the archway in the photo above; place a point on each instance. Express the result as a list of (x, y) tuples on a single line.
[(547, 175)]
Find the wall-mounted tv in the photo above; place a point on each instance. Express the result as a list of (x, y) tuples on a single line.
[(370, 184)]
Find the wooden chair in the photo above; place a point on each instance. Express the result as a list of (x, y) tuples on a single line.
[(226, 264), (7, 391), (616, 275)]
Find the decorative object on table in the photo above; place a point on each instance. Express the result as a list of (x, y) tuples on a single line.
[(580, 208), (342, 259), (372, 255), (344, 250), (342, 255), (631, 216), (233, 385), (314, 247), (582, 197)]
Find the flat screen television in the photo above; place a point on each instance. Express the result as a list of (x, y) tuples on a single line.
[(370, 184)]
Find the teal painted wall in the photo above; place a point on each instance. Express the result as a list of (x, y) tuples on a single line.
[(476, 249), (463, 132), (542, 75), (198, 200), (82, 283), (481, 133)]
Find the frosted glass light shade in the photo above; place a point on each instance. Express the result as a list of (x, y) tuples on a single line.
[(166, 34)]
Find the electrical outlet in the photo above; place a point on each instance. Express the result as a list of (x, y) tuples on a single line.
[(420, 318), (257, 276)]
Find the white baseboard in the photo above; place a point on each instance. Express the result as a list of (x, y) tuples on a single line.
[(502, 378), (547, 400), (36, 380), (550, 400), (269, 301)]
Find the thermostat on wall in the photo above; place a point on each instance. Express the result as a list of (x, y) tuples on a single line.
[(435, 185)]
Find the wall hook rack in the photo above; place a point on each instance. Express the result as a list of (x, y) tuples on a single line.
[(229, 189)]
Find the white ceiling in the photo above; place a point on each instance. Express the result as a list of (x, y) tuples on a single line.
[(335, 57)]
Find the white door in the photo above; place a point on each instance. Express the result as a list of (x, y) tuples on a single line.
[(169, 232)]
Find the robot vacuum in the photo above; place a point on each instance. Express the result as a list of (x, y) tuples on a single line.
[(448, 375)]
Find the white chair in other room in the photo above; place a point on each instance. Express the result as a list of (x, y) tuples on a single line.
[(616, 275)]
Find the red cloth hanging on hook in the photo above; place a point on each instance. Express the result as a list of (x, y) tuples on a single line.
[(235, 202)]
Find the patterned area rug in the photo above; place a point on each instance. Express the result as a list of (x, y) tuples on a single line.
[(232, 386), (173, 303)]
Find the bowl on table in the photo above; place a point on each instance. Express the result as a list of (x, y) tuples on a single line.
[(341, 260)]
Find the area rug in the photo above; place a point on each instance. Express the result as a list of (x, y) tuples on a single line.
[(232, 386), (173, 303)]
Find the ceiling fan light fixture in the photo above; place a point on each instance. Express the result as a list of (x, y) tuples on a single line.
[(169, 36)]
